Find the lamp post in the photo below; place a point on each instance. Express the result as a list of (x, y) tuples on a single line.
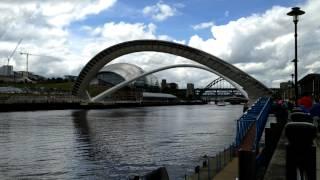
[(295, 12)]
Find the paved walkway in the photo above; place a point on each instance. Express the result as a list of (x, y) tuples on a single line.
[(277, 166), (229, 172)]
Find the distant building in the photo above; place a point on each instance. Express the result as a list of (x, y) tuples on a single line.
[(113, 74), (287, 90), (163, 84), (158, 97), (172, 86), (6, 70), (310, 84), (190, 90)]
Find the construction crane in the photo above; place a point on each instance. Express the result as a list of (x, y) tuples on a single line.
[(15, 49), (29, 54)]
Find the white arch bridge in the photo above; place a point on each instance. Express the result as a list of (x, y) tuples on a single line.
[(115, 88), (241, 80)]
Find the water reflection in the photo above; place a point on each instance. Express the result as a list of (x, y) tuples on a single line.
[(113, 143), (81, 125)]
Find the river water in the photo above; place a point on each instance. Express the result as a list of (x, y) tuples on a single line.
[(112, 143)]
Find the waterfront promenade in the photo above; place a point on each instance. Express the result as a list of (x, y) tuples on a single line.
[(277, 165)]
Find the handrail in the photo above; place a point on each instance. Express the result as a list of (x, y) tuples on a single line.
[(261, 121), (257, 113)]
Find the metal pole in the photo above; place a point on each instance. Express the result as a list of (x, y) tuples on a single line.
[(27, 63), (296, 61)]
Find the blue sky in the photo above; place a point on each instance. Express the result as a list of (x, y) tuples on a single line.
[(255, 36), (189, 12)]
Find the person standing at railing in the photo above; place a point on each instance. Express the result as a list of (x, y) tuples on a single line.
[(280, 110)]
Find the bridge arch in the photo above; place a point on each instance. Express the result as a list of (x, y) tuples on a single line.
[(253, 87), (108, 92)]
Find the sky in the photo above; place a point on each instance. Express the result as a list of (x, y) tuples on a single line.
[(255, 36)]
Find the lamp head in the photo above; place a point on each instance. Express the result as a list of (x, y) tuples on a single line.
[(294, 60), (295, 12)]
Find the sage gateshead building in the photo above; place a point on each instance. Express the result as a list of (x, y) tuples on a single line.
[(145, 88)]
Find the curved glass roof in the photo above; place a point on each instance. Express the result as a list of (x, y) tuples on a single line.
[(128, 71)]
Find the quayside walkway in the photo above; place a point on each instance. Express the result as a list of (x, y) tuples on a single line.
[(277, 167), (295, 155), (243, 152), (268, 146)]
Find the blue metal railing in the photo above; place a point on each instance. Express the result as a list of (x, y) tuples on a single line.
[(262, 120), (258, 114)]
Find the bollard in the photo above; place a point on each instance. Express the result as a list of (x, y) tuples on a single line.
[(301, 151)]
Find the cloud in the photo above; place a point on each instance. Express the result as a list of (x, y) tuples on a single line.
[(263, 44), (260, 44), (61, 14), (159, 11), (203, 25), (44, 28)]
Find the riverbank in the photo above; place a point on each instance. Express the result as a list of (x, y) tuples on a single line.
[(77, 105)]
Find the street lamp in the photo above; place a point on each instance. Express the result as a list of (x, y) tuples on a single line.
[(295, 12)]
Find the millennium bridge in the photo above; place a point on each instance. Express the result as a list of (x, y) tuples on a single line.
[(247, 151)]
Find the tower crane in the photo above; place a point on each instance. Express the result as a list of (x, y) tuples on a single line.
[(15, 49), (29, 54)]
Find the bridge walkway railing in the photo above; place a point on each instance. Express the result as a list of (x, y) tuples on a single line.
[(250, 128), (256, 115)]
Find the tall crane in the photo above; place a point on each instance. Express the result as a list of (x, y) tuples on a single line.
[(29, 54), (15, 49)]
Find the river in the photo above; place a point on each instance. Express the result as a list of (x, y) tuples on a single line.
[(112, 143)]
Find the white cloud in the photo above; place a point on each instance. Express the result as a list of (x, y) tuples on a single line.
[(203, 25), (159, 11), (43, 26), (263, 44), (112, 33), (260, 44), (61, 14)]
